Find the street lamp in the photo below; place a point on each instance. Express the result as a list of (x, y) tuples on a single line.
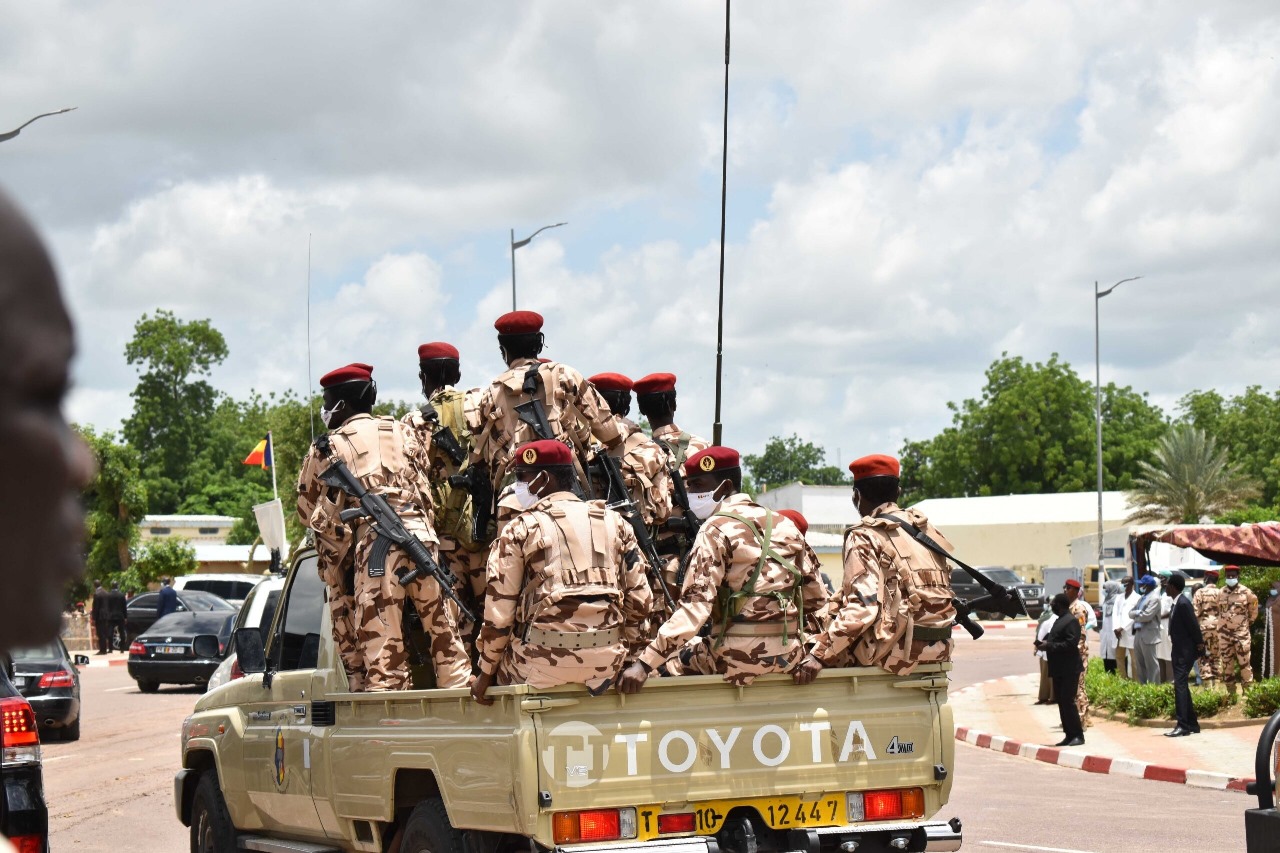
[(11, 134), (516, 244), (1097, 385)]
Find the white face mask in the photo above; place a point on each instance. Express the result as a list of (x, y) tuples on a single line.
[(326, 414), (703, 504), (524, 495), (1232, 581)]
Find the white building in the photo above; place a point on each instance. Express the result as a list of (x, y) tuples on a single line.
[(213, 529)]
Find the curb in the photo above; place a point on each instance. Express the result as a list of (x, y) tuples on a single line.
[(1207, 723), (98, 664)]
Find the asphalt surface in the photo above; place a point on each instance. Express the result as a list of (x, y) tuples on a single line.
[(113, 790)]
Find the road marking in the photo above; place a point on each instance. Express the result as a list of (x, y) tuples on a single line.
[(56, 758), (120, 689), (1008, 846)]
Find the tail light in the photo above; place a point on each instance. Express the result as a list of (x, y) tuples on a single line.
[(19, 737), (236, 671), (594, 825), (891, 804), (136, 648), (61, 678), (28, 843), (669, 824)]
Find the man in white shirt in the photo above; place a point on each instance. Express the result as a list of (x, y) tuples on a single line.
[(1112, 599), (1164, 652), (1122, 628)]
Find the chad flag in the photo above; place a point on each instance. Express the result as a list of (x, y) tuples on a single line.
[(260, 455)]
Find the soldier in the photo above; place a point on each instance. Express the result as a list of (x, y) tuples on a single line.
[(1207, 603), (388, 459), (819, 618), (1237, 608), (535, 400), (1078, 608), (642, 461), (749, 574), (656, 397), (894, 606), (441, 427), (567, 596), (616, 391)]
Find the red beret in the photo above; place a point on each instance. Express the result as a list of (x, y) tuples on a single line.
[(1208, 572), (611, 382), (539, 454), (712, 459), (544, 361), (656, 383), (437, 349), (1073, 583), (519, 323), (353, 372), (875, 465), (1230, 569), (799, 520)]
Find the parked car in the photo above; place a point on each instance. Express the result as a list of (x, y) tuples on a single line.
[(24, 817), (47, 676), (181, 648), (141, 611), (234, 588), (258, 611), (967, 589)]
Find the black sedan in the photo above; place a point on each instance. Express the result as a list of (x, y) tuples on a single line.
[(141, 611), (181, 648), (48, 677), (24, 817)]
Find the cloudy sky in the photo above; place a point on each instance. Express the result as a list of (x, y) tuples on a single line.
[(913, 189)]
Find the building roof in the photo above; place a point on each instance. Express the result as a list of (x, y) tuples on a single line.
[(1026, 509), (187, 520), (211, 553)]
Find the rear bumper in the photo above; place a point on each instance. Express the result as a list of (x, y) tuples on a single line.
[(172, 672), (55, 711), (917, 835)]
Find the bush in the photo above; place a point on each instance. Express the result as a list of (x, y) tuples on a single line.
[(1262, 699), (1147, 701), (1209, 702)]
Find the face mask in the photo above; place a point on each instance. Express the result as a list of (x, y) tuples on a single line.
[(1275, 592), (703, 504), (524, 496), (1232, 581), (327, 414)]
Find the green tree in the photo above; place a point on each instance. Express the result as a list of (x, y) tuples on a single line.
[(1031, 432), (159, 558), (1190, 480), (1248, 425), (115, 502), (171, 405), (787, 460)]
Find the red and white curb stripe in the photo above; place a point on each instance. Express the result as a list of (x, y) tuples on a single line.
[(1100, 764)]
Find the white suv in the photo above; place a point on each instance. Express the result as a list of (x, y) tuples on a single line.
[(234, 588)]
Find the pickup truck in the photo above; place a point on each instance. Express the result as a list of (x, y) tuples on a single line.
[(287, 759)]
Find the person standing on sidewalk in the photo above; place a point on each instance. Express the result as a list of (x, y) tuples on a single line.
[(99, 613), (1123, 630), (1238, 608), (1045, 695), (1207, 602), (1188, 644), (1146, 632), (1164, 652), (1062, 646), (1107, 635), (1084, 615)]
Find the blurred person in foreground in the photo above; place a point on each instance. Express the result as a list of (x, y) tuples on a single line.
[(47, 465)]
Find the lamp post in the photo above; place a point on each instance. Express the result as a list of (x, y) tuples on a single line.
[(4, 137), (516, 244), (1097, 386)]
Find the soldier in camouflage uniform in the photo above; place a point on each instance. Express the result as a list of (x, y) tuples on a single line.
[(750, 581), (567, 594), (575, 412), (894, 605), (1207, 603), (1237, 609), (389, 461), (1080, 609), (449, 455), (643, 462)]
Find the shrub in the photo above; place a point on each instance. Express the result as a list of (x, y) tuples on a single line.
[(1148, 701), (1209, 702), (1262, 699)]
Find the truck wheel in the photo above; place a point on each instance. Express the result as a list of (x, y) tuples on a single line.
[(211, 827), (428, 830), (148, 686)]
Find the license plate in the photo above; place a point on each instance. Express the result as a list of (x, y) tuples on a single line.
[(172, 650), (19, 681), (778, 812)]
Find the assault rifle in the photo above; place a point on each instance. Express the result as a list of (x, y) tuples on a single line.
[(689, 522), (533, 412), (619, 500), (389, 528), (475, 479)]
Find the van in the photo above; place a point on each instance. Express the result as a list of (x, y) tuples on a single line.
[(234, 588)]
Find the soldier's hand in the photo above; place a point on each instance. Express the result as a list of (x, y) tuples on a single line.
[(632, 678), (480, 687), (807, 670)]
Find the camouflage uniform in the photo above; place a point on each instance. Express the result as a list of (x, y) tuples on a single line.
[(767, 634), (680, 444), (1238, 608), (1208, 602), (567, 596), (335, 563), (644, 472), (389, 460), (575, 412), (1080, 610), (894, 591)]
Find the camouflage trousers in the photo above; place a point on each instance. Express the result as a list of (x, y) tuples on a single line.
[(1082, 698), (342, 613), (1234, 647), (469, 568), (380, 624), (541, 667), (740, 660), (1209, 663)]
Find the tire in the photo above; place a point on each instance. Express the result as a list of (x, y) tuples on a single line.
[(428, 830), (996, 616), (148, 686), (211, 827), (72, 732)]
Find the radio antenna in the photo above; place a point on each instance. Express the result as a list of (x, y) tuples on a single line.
[(717, 428), (311, 409)]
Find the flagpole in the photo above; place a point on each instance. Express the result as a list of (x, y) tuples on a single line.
[(271, 445)]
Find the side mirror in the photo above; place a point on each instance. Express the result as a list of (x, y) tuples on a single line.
[(205, 646), (80, 660), (251, 656)]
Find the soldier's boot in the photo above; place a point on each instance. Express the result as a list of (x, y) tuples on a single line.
[(1231, 688)]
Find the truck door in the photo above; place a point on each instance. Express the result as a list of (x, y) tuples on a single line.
[(278, 737)]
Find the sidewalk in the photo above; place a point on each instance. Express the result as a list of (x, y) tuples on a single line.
[(1001, 714), (109, 659)]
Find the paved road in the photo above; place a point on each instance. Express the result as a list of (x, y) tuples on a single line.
[(113, 790)]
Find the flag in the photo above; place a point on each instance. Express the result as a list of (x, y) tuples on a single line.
[(260, 455)]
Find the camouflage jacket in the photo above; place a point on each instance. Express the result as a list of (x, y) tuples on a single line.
[(1238, 609), (453, 506), (678, 443), (1081, 611), (1208, 604), (645, 472)]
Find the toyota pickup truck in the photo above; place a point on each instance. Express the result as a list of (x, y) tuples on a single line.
[(285, 758)]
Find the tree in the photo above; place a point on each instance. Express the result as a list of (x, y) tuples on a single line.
[(1190, 480), (115, 502), (787, 460), (1032, 432), (159, 558), (170, 405), (1247, 425)]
